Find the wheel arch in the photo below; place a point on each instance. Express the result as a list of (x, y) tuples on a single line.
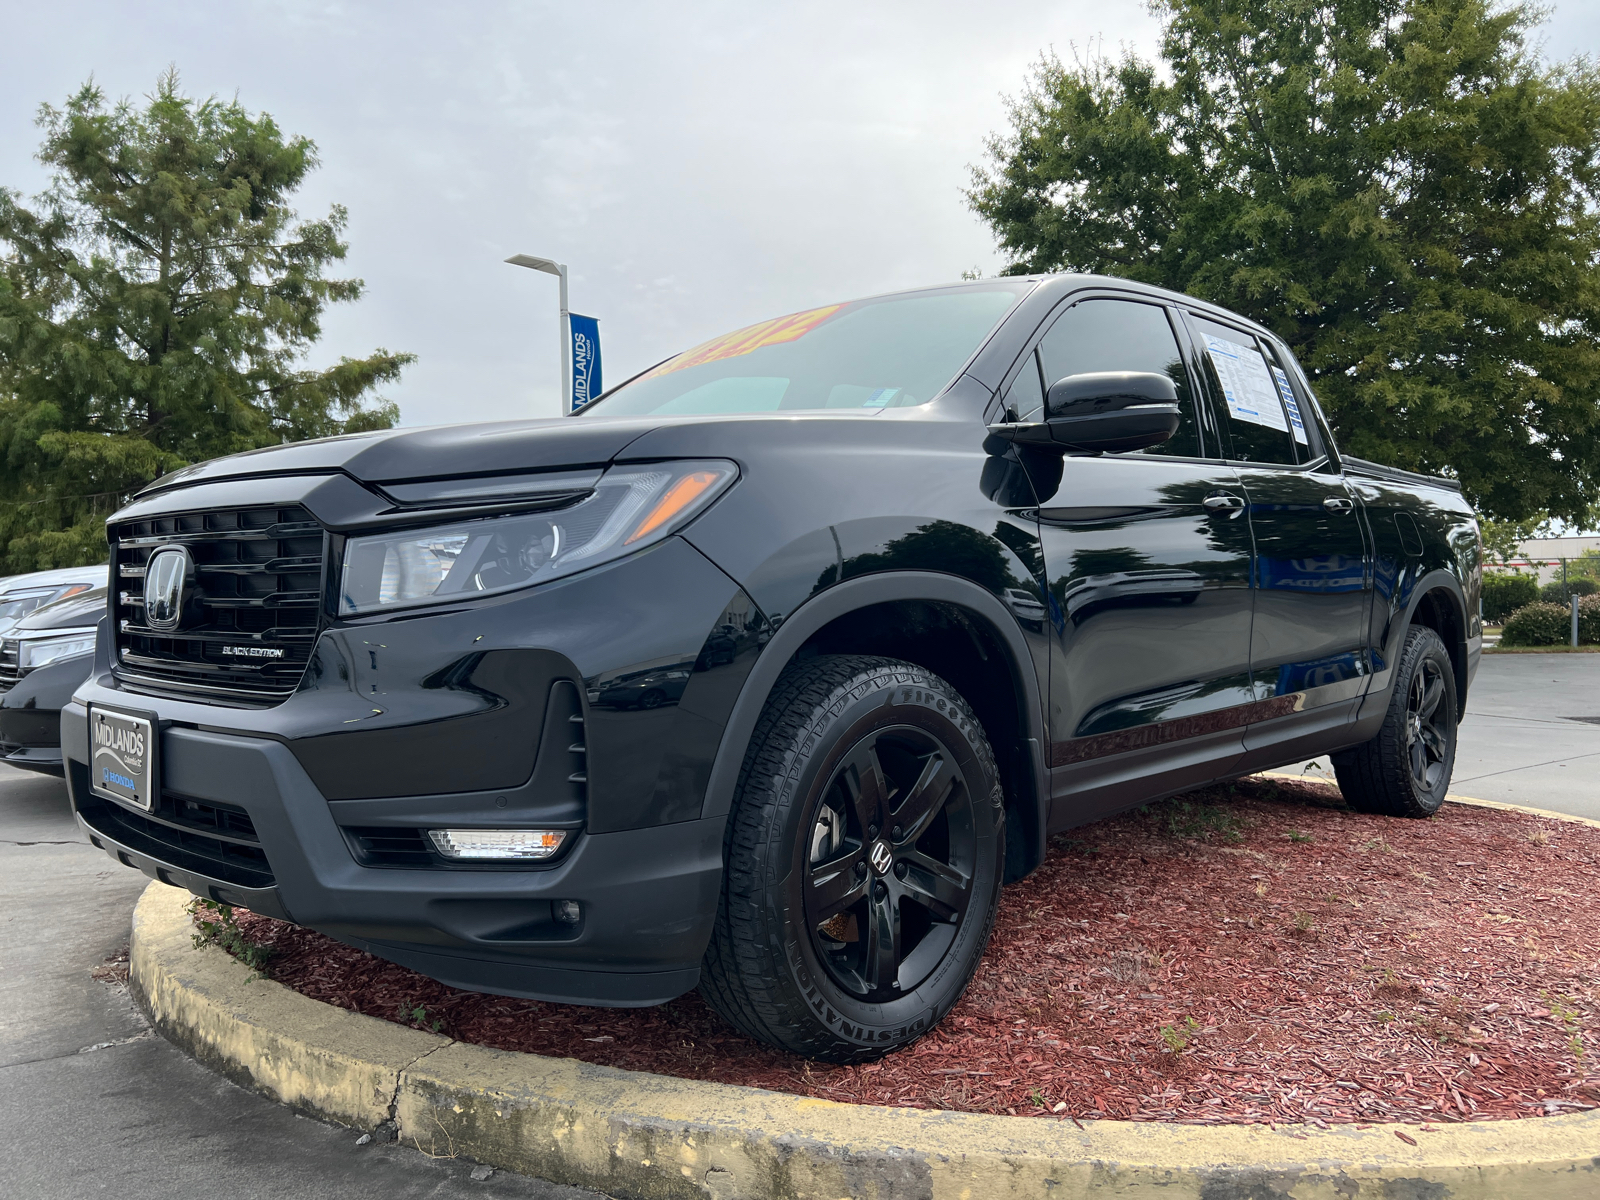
[(842, 620), (1439, 604)]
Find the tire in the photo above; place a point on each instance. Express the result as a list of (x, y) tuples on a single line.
[(1405, 770), (850, 924)]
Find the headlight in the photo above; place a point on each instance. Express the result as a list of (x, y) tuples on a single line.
[(39, 652), (630, 508)]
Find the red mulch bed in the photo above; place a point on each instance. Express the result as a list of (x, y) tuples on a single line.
[(1254, 952)]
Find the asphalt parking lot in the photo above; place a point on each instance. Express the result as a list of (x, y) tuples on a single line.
[(1531, 734), (93, 1104)]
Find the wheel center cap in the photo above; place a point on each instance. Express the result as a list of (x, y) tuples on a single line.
[(881, 858)]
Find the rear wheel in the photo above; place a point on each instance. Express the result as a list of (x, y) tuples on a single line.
[(864, 857), (1405, 770)]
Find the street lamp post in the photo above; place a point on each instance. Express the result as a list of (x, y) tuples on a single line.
[(550, 267)]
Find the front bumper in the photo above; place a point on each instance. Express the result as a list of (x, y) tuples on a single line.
[(648, 895), (30, 715)]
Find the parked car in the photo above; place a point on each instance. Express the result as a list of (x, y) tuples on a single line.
[(21, 594), (43, 658), (1044, 549)]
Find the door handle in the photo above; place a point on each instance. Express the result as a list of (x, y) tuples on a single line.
[(1338, 504), (1223, 502)]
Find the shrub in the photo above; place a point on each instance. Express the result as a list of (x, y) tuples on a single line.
[(1556, 592), (1504, 593), (1538, 624), (1588, 621)]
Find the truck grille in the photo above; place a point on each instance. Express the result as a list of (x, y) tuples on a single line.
[(258, 587), (10, 672)]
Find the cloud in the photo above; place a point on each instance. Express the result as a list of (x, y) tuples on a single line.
[(699, 166)]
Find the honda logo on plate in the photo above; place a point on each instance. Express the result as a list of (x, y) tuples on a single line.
[(166, 583)]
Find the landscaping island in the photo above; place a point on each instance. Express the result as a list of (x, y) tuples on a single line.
[(1254, 953)]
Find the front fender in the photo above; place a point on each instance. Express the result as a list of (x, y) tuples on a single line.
[(864, 592)]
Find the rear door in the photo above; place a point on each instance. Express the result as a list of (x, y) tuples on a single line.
[(1312, 583), (1148, 562)]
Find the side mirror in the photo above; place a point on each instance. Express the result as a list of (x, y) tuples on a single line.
[(1102, 412)]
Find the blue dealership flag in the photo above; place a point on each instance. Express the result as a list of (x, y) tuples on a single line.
[(585, 359)]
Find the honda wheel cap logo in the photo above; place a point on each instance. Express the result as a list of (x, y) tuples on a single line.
[(882, 858), (166, 580)]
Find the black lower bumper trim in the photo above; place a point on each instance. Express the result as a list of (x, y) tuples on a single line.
[(195, 850), (258, 900), (46, 759), (611, 989)]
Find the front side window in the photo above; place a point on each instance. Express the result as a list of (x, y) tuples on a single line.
[(1121, 335), (1258, 402), (867, 354)]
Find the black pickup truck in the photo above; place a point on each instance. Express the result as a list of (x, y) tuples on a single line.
[(762, 672)]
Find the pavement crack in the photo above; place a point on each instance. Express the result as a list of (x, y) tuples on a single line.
[(114, 1042), (1528, 767), (394, 1097), (72, 842), (138, 1037)]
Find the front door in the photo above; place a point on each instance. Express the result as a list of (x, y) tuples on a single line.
[(1313, 583), (1148, 560)]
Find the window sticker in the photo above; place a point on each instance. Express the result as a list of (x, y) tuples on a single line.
[(879, 397), (1290, 406), (1246, 385), (748, 339)]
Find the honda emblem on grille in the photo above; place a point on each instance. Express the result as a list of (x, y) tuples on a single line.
[(166, 583)]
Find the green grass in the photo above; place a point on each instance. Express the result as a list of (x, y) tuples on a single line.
[(1194, 820)]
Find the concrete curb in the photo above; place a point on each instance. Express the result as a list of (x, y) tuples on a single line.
[(1452, 798), (651, 1137)]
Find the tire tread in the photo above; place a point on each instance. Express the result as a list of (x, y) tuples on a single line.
[(1375, 776), (742, 976)]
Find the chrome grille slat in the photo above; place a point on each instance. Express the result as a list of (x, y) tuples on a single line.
[(258, 579)]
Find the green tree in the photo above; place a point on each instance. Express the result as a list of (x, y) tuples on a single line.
[(1401, 189), (1502, 540), (155, 308)]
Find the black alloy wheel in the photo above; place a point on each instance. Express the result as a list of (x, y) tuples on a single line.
[(891, 860), (864, 855), (1428, 745), (1404, 771)]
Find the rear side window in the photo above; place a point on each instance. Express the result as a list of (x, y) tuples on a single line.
[(1258, 401), (1122, 335), (1319, 438)]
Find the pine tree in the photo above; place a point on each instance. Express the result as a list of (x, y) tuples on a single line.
[(155, 308), (1401, 189)]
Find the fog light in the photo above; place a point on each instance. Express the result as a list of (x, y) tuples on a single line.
[(567, 910), (497, 843)]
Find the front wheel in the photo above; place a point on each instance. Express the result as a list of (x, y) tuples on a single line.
[(864, 858), (1405, 770)]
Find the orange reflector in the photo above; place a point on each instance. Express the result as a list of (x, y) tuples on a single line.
[(679, 496)]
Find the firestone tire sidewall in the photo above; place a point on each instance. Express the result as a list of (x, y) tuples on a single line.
[(889, 698)]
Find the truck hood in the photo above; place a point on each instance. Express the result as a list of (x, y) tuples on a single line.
[(394, 454)]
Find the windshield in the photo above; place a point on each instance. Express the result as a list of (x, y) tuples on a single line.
[(867, 354)]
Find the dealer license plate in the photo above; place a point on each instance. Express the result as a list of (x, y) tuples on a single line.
[(122, 754)]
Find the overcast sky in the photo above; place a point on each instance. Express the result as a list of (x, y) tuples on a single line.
[(699, 165)]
